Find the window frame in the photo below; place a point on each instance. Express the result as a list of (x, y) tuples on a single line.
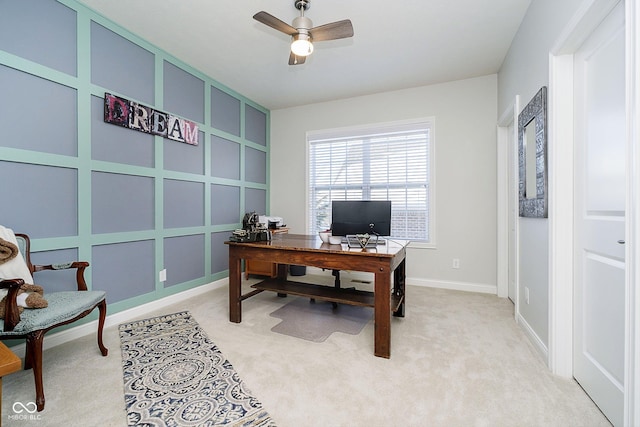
[(369, 129)]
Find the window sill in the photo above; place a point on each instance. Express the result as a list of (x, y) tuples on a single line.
[(422, 245)]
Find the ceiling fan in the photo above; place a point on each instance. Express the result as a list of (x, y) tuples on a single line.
[(302, 32)]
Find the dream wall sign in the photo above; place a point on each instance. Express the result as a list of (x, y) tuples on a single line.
[(132, 115)]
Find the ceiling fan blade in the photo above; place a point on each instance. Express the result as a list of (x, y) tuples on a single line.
[(335, 30), (273, 22), (296, 60)]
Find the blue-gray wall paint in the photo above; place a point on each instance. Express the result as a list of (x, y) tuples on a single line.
[(42, 198), (130, 203), (40, 31), (225, 158), (225, 112), (31, 121), (121, 66)]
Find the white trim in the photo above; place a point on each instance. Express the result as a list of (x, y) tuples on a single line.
[(482, 288), (348, 275), (90, 328), (507, 118), (502, 208), (515, 197), (421, 245), (584, 21), (560, 160), (432, 243), (366, 129), (632, 350), (533, 337)]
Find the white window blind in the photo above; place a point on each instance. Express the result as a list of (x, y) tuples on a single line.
[(391, 162)]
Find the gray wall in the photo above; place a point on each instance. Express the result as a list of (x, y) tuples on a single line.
[(464, 117), (524, 71), (128, 202)]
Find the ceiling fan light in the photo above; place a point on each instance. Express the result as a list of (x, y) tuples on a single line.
[(301, 45)]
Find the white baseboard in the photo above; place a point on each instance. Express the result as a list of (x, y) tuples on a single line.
[(455, 286), (442, 284), (71, 334), (534, 338)]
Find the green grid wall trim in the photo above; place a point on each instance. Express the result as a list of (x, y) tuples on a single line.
[(130, 203)]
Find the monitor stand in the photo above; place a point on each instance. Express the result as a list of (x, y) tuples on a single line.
[(336, 284)]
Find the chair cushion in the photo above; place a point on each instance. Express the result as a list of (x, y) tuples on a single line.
[(63, 306)]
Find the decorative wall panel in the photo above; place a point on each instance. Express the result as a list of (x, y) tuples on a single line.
[(219, 252), (121, 65), (124, 270), (255, 125), (183, 93), (183, 203), (184, 258), (121, 203), (31, 121), (225, 158), (41, 201), (130, 203), (255, 169), (225, 204), (225, 112), (184, 157), (255, 201), (22, 21)]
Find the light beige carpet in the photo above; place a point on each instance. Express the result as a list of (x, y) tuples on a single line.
[(458, 359)]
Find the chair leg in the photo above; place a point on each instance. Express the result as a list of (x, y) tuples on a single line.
[(34, 349), (27, 357), (103, 314)]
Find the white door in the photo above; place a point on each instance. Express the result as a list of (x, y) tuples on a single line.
[(599, 288)]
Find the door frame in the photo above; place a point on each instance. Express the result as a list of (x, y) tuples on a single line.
[(506, 164), (561, 187)]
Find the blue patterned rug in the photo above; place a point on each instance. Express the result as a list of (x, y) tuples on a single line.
[(175, 376)]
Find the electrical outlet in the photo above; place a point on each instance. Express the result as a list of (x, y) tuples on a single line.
[(163, 275), (456, 263), (526, 295)]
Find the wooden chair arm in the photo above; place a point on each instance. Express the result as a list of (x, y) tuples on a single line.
[(80, 265), (11, 313)]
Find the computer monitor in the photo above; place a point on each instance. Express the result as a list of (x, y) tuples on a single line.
[(360, 217)]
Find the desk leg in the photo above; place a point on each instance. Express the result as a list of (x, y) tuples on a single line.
[(282, 274), (399, 287), (382, 314), (235, 288), (282, 271)]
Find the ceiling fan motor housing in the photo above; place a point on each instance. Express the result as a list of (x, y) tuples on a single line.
[(302, 24), (302, 4)]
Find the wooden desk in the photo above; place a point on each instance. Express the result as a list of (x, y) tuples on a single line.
[(263, 268), (284, 249)]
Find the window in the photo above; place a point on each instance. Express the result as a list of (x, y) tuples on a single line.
[(380, 162)]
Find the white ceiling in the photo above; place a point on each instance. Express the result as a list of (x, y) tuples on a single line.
[(397, 44)]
